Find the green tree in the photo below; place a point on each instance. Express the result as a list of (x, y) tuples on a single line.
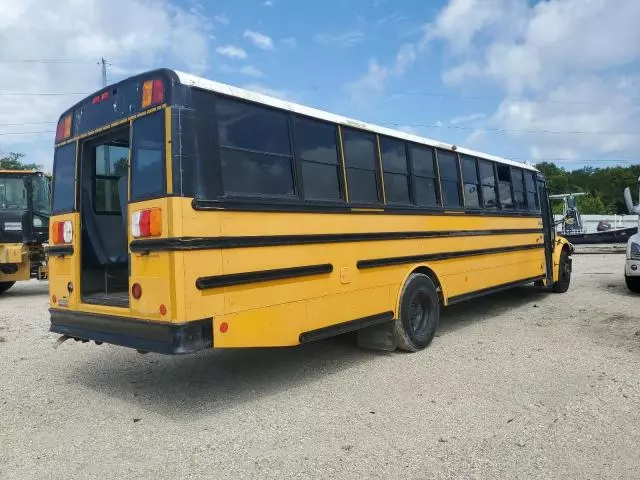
[(13, 161)]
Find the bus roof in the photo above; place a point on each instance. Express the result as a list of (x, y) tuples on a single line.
[(205, 84)]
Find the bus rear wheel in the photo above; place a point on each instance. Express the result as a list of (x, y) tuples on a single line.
[(419, 314), (4, 286)]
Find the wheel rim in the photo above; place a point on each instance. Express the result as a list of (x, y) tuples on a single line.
[(418, 312)]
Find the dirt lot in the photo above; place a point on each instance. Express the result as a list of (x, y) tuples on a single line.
[(521, 384)]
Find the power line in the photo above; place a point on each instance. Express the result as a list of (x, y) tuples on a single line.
[(48, 94), (47, 61), (25, 123), (27, 133)]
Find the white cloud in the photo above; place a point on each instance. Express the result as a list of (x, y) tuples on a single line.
[(377, 76), (347, 39), (251, 71), (222, 18), (85, 31), (271, 92), (564, 66), (260, 40), (290, 42), (232, 51), (268, 3)]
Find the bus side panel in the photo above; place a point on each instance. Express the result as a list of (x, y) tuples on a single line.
[(276, 312)]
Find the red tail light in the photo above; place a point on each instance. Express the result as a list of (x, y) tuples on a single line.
[(146, 223), (152, 93), (61, 232), (63, 131)]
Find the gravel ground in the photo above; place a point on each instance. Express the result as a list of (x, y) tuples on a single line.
[(521, 384)]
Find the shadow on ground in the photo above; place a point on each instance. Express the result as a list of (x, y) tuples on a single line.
[(209, 382)]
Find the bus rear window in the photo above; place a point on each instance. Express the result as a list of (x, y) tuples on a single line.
[(147, 157), (64, 173)]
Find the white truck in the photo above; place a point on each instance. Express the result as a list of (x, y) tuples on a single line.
[(632, 264)]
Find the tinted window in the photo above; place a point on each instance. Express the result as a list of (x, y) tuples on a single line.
[(488, 184), (519, 195), (394, 155), (360, 159), (316, 146), (425, 177), (426, 189), (449, 178), (470, 179), (256, 173), (107, 197), (533, 200), (504, 186), (251, 127), (423, 161), (448, 163), (255, 149), (147, 157), (469, 172), (321, 181), (359, 149), (471, 195), (396, 170), (487, 174), (63, 178), (396, 188)]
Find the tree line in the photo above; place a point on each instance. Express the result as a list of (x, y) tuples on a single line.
[(603, 186)]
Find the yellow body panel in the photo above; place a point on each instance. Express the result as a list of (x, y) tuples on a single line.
[(275, 313), (559, 245)]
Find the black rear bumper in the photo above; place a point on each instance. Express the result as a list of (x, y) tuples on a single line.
[(159, 337)]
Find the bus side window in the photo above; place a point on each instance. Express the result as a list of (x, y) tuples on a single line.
[(425, 176), (449, 178), (519, 195), (504, 186), (533, 200), (395, 170), (470, 179), (361, 162), (255, 149), (488, 182), (316, 149)]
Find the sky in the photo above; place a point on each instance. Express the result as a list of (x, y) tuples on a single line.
[(530, 80)]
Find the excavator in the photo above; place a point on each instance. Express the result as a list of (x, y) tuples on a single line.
[(24, 226)]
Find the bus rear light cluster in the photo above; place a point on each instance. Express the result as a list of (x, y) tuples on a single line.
[(63, 131), (62, 232), (146, 223), (152, 93)]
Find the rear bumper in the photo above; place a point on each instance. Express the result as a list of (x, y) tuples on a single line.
[(167, 338)]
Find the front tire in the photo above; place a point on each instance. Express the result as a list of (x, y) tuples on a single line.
[(419, 314), (633, 283), (4, 286), (564, 279)]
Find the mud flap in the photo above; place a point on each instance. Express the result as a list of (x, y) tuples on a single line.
[(378, 337)]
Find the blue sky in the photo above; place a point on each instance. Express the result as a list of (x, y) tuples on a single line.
[(525, 79)]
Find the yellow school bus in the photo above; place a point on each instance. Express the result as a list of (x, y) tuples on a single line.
[(188, 214)]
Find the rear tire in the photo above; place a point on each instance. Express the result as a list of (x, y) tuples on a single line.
[(633, 283), (564, 278), (4, 286), (419, 314)]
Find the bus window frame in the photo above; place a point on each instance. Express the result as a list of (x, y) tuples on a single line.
[(163, 154), (75, 144)]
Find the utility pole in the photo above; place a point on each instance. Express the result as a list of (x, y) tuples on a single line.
[(103, 62)]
